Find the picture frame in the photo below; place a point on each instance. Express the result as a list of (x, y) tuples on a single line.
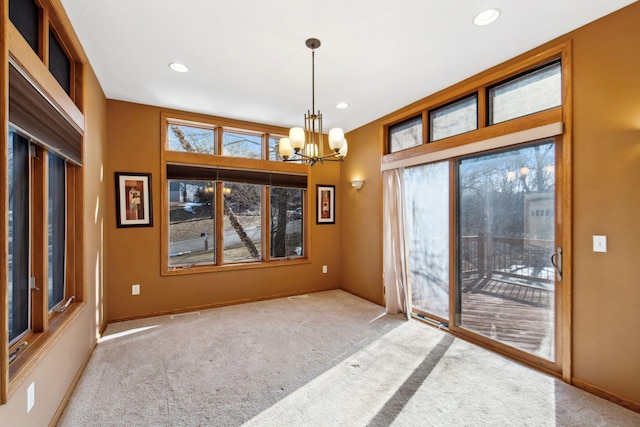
[(325, 204), (133, 199)]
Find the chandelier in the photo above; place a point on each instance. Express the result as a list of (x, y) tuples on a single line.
[(302, 144)]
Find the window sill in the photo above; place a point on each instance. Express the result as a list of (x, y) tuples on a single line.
[(39, 345), (172, 271)]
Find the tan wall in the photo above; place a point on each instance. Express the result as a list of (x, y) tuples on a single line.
[(607, 201), (361, 212), (134, 254), (55, 373), (606, 172)]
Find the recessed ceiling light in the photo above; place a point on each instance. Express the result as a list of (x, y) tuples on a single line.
[(176, 66), (342, 105), (486, 17)]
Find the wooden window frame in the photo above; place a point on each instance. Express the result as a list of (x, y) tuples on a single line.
[(169, 157)]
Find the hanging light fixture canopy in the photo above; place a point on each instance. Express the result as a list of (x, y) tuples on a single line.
[(303, 143)]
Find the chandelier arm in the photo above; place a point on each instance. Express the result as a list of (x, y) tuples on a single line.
[(332, 157)]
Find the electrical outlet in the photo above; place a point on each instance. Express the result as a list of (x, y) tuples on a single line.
[(31, 396), (135, 289), (324, 268), (599, 243)]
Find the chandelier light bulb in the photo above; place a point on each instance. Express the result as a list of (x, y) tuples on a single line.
[(296, 136), (284, 147), (336, 138), (344, 149)]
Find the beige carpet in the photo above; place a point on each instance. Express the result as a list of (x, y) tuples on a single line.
[(326, 359)]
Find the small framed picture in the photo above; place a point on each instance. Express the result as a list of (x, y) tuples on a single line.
[(133, 200), (326, 204)]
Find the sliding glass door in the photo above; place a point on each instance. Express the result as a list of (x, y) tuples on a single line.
[(482, 239), (505, 287), (427, 219)]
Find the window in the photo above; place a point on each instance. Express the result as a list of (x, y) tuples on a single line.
[(287, 222), (242, 222), (218, 139), (453, 119), (18, 233), (234, 209), (483, 227), (191, 222), (56, 226), (241, 144), (505, 256), (192, 139), (43, 147), (30, 229), (533, 88), (427, 215), (534, 91), (405, 134), (27, 17), (24, 15), (59, 63), (274, 148)]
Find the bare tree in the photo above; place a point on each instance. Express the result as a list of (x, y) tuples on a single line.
[(204, 197)]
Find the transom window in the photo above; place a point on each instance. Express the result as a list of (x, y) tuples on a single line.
[(191, 139), (453, 119), (242, 144), (532, 91), (405, 134)]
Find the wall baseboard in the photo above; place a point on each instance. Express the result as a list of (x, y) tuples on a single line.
[(606, 394), (217, 305)]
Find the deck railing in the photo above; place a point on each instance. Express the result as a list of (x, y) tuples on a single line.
[(485, 255)]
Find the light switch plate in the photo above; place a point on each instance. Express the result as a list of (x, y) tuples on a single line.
[(599, 243)]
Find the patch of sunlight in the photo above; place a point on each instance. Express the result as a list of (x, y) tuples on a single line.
[(378, 317), (97, 212), (125, 333)]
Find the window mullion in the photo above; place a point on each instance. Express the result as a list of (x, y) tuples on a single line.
[(71, 269), (266, 223), (219, 222), (39, 237), (218, 136), (43, 36), (483, 114)]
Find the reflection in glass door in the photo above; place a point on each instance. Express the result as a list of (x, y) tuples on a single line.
[(506, 239), (427, 221)]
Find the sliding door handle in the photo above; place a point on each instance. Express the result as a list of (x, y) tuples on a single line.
[(556, 261)]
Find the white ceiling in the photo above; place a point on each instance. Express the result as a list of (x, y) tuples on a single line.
[(248, 59)]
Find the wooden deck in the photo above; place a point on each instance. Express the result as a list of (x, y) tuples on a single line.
[(515, 314), (519, 315)]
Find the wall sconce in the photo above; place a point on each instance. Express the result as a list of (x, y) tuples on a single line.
[(357, 183)]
